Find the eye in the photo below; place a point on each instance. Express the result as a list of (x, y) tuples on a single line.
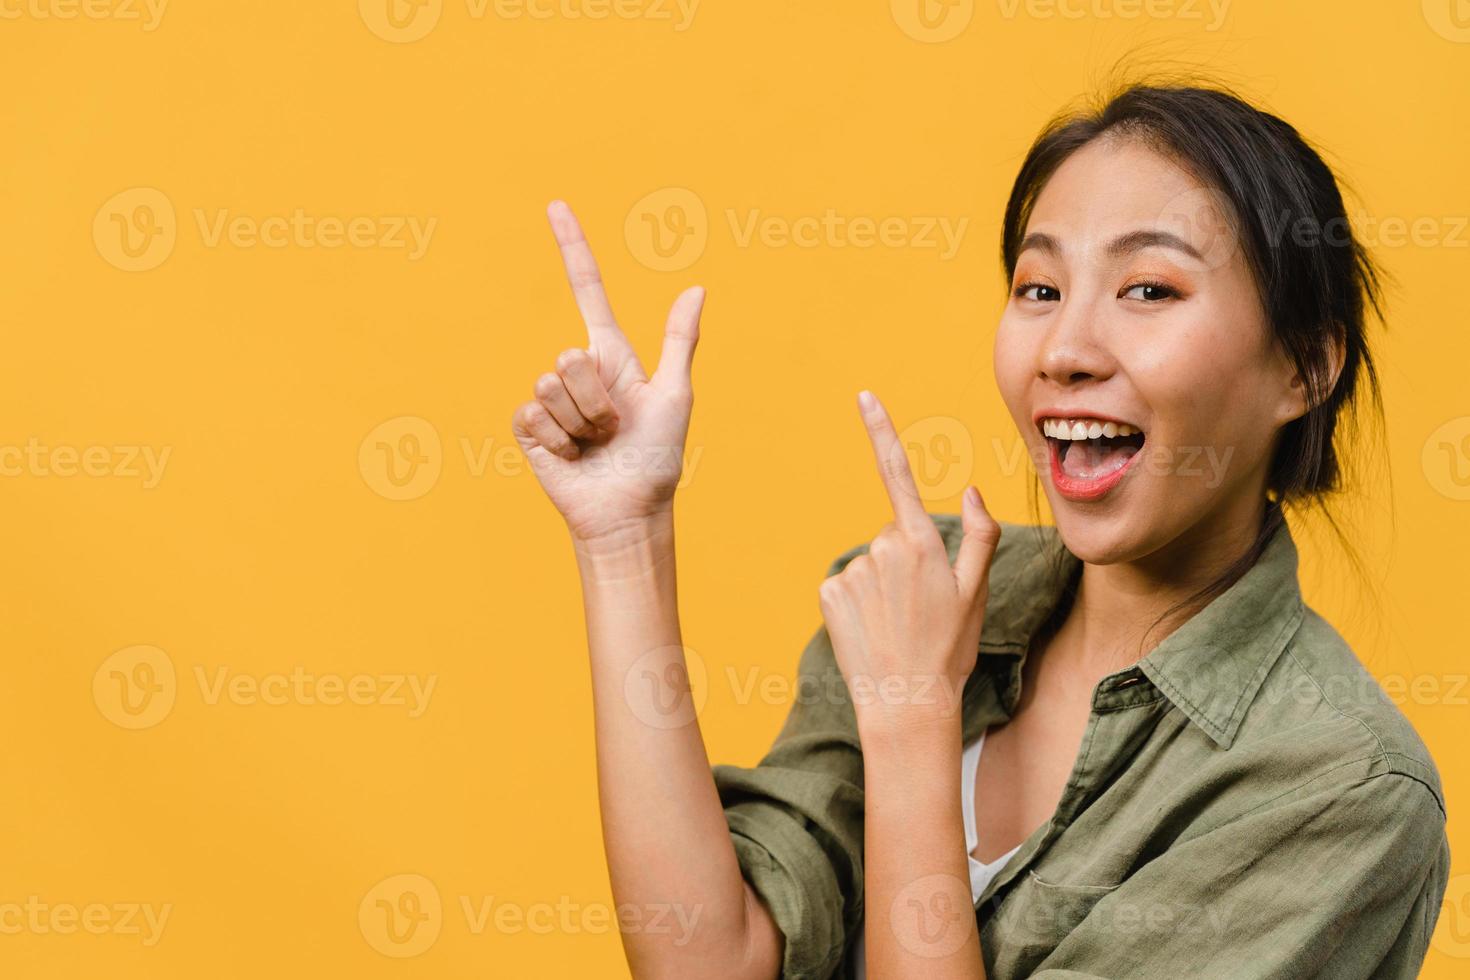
[(1037, 291), (1150, 292)]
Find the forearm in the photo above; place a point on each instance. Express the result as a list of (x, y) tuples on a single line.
[(919, 918), (668, 846)]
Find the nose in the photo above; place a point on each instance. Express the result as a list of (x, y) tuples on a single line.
[(1072, 350)]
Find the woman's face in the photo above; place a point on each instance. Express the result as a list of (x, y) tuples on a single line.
[(1132, 303)]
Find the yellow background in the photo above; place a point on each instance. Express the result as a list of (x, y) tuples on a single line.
[(271, 543)]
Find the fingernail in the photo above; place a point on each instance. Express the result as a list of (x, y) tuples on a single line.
[(866, 400), (972, 497)]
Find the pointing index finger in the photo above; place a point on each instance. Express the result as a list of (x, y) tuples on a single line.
[(893, 467), (582, 272)]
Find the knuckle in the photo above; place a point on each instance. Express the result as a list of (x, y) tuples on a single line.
[(891, 543), (570, 358), (583, 429), (895, 465), (989, 532), (585, 276), (602, 415), (547, 386), (547, 431)]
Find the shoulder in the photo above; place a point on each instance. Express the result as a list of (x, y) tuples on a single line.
[(1341, 722)]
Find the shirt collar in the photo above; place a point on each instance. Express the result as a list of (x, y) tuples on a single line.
[(1210, 668)]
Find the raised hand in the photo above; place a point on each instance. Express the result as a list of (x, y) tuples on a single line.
[(605, 440), (904, 624)]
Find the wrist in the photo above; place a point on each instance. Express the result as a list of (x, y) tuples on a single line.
[(911, 733), (906, 704), (627, 546)]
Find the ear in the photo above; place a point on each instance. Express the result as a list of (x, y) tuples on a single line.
[(1300, 400)]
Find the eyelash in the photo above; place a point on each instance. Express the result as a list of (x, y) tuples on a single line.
[(1023, 288), (1169, 291)]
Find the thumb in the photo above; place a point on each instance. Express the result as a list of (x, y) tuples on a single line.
[(977, 547), (681, 334)]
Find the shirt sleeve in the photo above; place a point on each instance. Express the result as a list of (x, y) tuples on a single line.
[(796, 818), (1337, 882)]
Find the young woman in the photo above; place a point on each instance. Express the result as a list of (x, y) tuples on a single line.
[(1123, 742)]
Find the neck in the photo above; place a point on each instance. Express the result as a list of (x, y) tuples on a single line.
[(1118, 603)]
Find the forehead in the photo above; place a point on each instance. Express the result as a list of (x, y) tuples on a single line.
[(1117, 185)]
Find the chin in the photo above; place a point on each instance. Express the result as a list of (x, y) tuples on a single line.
[(1098, 538)]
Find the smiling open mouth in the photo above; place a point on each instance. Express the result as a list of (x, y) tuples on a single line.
[(1089, 455)]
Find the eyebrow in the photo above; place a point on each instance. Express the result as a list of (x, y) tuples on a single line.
[(1125, 244), (1149, 238)]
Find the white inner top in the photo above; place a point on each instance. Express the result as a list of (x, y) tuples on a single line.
[(980, 872)]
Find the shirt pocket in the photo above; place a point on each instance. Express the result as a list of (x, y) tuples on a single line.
[(1033, 918)]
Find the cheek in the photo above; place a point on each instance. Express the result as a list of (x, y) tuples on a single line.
[(1180, 381), (1014, 359), (1202, 378)]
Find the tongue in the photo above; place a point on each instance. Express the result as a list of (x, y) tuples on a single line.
[(1095, 458)]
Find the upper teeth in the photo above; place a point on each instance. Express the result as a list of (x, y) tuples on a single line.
[(1085, 428)]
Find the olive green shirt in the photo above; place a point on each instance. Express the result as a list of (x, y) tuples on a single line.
[(1246, 801)]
